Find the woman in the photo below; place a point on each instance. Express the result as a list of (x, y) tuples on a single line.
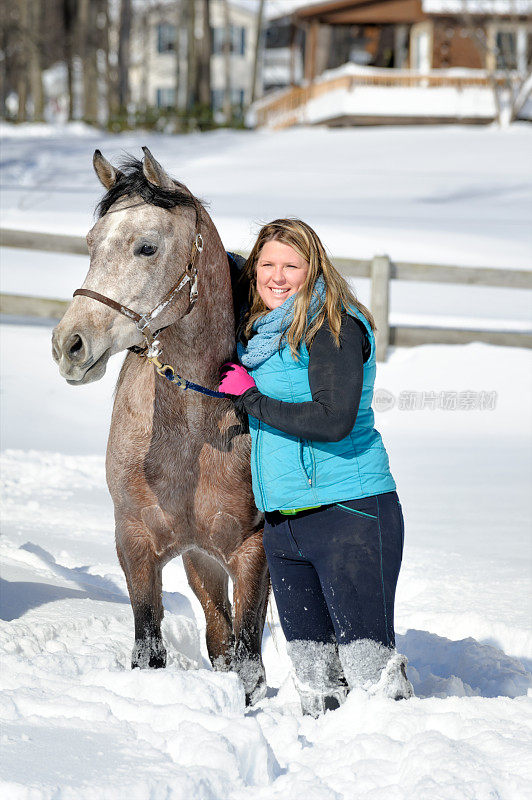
[(333, 530)]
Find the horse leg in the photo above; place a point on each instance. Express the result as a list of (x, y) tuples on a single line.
[(143, 573), (208, 580), (250, 597)]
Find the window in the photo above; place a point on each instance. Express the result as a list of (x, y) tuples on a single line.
[(513, 46), (166, 35), (166, 97), (237, 40), (217, 35), (217, 98), (506, 42)]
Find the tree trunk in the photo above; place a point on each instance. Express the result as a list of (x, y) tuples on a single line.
[(87, 34), (68, 24), (180, 21), (191, 57), (82, 48), (521, 96), (258, 48), (22, 80), (111, 93), (227, 62), (22, 91), (124, 35), (35, 43), (204, 58)]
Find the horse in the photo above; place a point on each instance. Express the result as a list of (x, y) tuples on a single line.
[(178, 461)]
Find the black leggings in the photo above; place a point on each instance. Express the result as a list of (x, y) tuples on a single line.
[(334, 569)]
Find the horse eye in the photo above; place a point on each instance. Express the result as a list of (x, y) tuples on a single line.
[(147, 250)]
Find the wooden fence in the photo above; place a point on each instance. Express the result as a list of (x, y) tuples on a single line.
[(380, 270)]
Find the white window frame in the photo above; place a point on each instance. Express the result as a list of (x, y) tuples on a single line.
[(521, 31)]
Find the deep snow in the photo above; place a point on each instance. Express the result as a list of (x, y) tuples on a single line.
[(77, 723)]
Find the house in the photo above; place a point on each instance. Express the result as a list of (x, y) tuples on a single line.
[(158, 74), (414, 34), (456, 46)]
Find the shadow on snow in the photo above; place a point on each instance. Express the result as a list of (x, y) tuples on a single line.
[(17, 597), (440, 667)]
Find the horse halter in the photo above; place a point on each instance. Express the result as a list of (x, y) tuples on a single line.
[(152, 349), (142, 321)]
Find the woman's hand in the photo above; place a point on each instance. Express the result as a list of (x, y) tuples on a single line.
[(235, 379)]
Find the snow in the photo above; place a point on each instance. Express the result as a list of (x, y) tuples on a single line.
[(448, 195), (442, 102), (76, 721), (502, 7)]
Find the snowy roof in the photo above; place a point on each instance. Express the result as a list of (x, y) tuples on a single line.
[(477, 6), (279, 8)]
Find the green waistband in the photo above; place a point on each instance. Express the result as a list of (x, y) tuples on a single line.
[(297, 510)]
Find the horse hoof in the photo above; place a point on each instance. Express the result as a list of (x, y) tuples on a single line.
[(148, 655)]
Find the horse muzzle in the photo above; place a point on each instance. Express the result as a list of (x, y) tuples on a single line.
[(78, 360)]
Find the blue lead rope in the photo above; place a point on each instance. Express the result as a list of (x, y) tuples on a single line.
[(185, 384)]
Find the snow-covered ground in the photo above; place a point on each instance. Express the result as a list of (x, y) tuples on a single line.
[(456, 195), (76, 722), (442, 195)]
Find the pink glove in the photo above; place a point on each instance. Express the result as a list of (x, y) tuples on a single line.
[(235, 379)]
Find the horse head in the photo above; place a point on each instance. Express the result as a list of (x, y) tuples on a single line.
[(144, 242)]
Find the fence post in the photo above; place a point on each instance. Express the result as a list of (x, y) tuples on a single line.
[(380, 303)]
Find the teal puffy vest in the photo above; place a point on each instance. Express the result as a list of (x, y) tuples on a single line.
[(288, 472)]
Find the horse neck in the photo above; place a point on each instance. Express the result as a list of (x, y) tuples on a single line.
[(201, 341)]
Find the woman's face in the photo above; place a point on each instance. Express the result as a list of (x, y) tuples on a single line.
[(281, 272)]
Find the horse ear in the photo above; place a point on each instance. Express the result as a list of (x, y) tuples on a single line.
[(105, 171), (154, 173)]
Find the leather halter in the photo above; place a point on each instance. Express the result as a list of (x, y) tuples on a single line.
[(189, 275), (152, 348)]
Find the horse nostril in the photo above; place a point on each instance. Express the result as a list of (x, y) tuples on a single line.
[(75, 347)]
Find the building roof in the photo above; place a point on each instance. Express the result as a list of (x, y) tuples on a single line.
[(344, 12), (484, 7)]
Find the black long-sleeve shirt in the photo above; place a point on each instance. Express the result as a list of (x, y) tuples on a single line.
[(335, 377)]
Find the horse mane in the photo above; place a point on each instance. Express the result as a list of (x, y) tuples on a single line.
[(131, 181)]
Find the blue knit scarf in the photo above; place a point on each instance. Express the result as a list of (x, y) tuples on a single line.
[(270, 327)]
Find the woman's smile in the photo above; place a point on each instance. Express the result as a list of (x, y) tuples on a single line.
[(281, 272)]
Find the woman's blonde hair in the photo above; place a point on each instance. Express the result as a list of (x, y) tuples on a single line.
[(339, 297)]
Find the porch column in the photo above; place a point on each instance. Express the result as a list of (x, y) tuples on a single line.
[(310, 50)]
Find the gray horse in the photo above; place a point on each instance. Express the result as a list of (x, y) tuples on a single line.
[(178, 462)]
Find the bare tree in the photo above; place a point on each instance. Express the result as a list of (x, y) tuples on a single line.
[(180, 22), (204, 58), (34, 41), (22, 82), (69, 25), (87, 41), (227, 62), (256, 55), (192, 98), (124, 35), (28, 15), (510, 94)]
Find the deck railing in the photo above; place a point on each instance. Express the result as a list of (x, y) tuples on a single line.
[(271, 110)]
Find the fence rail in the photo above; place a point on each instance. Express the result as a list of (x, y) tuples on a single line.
[(380, 270)]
